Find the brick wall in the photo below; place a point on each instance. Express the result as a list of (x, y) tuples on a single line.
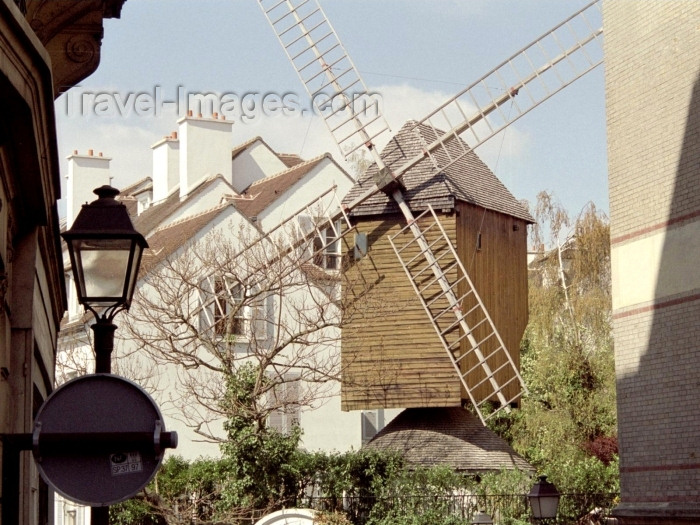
[(652, 61)]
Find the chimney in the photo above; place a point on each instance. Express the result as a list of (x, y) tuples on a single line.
[(205, 150), (85, 173), (166, 166)]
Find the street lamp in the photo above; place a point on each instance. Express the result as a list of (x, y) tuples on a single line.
[(105, 254), (544, 499)]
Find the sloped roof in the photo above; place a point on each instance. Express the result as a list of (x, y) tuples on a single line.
[(467, 179), (140, 185), (259, 195), (165, 241), (447, 436), (264, 192), (290, 159), (151, 218), (245, 145), (131, 203)]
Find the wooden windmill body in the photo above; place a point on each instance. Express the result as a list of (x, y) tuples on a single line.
[(391, 356)]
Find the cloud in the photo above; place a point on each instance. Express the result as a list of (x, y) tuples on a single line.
[(125, 134)]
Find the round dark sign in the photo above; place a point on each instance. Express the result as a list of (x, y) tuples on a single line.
[(99, 439)]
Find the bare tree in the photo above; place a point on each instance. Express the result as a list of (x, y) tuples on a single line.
[(228, 299)]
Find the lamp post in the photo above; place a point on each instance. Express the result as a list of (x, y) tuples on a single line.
[(544, 499), (105, 253)]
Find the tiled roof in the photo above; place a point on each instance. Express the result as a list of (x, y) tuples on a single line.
[(138, 186), (290, 159), (164, 241), (468, 179), (132, 205), (447, 436), (264, 192), (151, 218)]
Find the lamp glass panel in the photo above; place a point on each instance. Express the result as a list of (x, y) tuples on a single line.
[(135, 263), (105, 264), (549, 506)]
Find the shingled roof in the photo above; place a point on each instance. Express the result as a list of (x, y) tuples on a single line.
[(467, 179), (447, 436)]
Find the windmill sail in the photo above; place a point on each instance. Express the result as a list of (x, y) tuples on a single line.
[(537, 72), (457, 313), (338, 93), (518, 85), (510, 90)]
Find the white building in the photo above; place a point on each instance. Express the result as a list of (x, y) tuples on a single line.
[(204, 194)]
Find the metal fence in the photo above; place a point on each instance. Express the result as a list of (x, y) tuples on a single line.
[(505, 509)]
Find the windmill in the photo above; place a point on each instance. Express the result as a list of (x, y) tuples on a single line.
[(486, 368)]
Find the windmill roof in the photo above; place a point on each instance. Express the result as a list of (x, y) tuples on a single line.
[(467, 179), (447, 436)]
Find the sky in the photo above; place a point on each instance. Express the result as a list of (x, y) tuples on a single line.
[(414, 53)]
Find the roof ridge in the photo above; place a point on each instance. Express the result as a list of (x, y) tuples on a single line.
[(134, 185), (247, 143)]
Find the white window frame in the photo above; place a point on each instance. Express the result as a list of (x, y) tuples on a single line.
[(325, 249), (218, 298), (226, 297)]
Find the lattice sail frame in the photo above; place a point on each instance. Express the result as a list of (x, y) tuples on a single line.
[(532, 75), (336, 89), (457, 313)]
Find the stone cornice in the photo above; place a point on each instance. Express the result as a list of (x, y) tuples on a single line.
[(71, 31)]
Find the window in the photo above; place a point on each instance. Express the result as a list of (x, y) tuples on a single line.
[(327, 248), (286, 398), (360, 249), (235, 312), (229, 311)]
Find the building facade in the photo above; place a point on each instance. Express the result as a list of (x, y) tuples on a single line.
[(652, 64)]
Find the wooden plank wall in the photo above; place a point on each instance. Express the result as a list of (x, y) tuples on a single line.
[(391, 356), (497, 264)]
